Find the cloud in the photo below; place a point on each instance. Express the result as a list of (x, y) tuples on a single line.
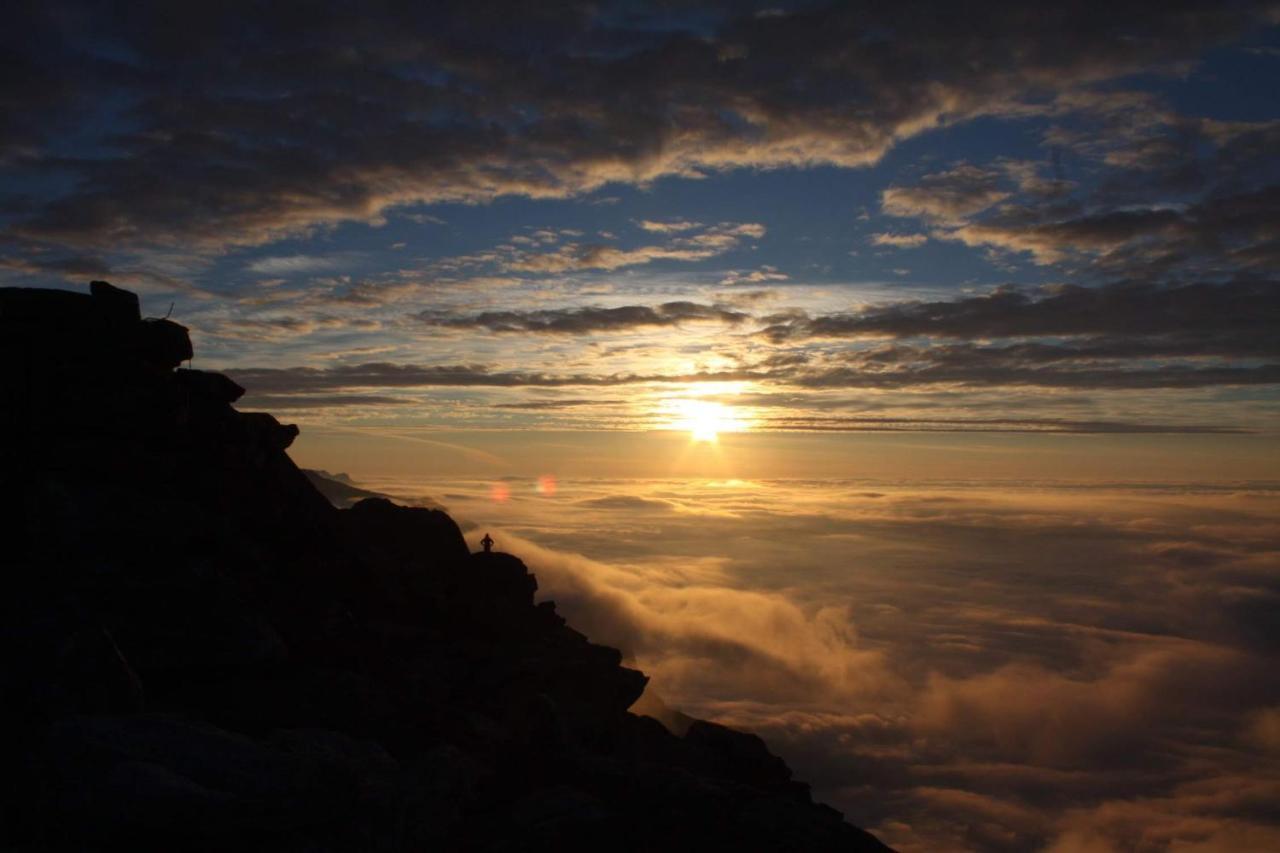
[(1264, 729), (746, 298), (1026, 175), (296, 380), (578, 321), (287, 402), (628, 502), (946, 196), (393, 111), (706, 243), (283, 327), (1192, 195), (540, 405), (1106, 721), (899, 241), (673, 226), (1233, 812), (1228, 234), (1121, 335), (830, 423), (70, 266), (934, 371), (292, 264), (142, 275), (702, 633), (765, 273), (1122, 308), (1050, 242), (969, 669)]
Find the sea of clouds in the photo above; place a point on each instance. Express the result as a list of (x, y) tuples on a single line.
[(1005, 666)]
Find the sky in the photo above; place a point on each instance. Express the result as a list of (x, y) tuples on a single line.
[(940, 340), (589, 217)]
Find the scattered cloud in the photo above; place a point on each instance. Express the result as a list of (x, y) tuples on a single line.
[(696, 243), (948, 196), (899, 241), (763, 274), (288, 402), (673, 226), (282, 327), (578, 321), (1249, 308), (290, 380), (292, 265)]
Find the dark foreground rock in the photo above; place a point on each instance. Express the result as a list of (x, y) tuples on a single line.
[(198, 651)]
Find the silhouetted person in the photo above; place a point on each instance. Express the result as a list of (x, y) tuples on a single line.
[(487, 543)]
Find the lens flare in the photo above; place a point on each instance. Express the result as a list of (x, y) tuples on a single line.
[(547, 485), (500, 492)]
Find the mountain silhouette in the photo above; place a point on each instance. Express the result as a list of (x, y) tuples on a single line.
[(338, 489), (202, 652)]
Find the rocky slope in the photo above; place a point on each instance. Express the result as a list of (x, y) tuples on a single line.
[(200, 652)]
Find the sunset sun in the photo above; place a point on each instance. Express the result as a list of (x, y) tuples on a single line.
[(703, 420)]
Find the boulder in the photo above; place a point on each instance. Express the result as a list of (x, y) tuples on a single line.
[(163, 343), (267, 432), (96, 675), (155, 781), (561, 817), (406, 534), (207, 385), (186, 626), (53, 664), (120, 305), (741, 756), (501, 581), (413, 556)]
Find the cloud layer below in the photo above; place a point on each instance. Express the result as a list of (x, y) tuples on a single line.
[(1084, 669)]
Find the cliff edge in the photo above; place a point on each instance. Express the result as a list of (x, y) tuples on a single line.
[(201, 652)]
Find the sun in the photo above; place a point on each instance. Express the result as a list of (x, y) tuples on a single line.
[(703, 420)]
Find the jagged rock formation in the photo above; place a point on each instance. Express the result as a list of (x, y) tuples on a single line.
[(200, 652)]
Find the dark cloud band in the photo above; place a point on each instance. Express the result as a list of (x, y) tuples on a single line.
[(407, 103), (572, 321)]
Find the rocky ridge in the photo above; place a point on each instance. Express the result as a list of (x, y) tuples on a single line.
[(201, 652)]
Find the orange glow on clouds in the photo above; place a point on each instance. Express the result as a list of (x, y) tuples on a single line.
[(500, 492), (547, 485)]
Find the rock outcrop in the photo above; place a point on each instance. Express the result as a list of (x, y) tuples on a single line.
[(200, 652)]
